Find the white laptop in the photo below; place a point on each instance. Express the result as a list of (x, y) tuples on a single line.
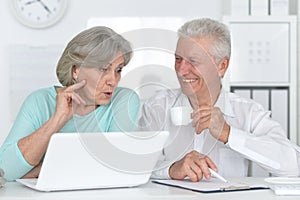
[(98, 160)]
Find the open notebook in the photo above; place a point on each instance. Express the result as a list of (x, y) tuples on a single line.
[(98, 160), (216, 185)]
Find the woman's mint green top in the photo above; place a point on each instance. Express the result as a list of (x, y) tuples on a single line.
[(121, 114)]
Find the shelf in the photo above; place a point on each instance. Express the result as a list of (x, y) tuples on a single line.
[(241, 84)]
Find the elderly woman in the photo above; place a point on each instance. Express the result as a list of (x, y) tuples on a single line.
[(89, 101)]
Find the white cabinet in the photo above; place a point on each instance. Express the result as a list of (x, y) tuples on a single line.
[(260, 50), (263, 66)]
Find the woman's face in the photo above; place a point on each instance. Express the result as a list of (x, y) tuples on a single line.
[(100, 81)]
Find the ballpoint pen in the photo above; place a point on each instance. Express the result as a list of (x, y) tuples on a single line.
[(218, 176)]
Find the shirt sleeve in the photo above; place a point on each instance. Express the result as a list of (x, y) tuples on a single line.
[(161, 173), (13, 162), (11, 159), (153, 116), (150, 121), (266, 144)]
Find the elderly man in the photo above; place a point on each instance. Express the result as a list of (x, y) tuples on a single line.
[(226, 131)]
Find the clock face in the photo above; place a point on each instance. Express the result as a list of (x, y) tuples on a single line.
[(38, 13)]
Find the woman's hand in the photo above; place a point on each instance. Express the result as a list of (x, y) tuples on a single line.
[(67, 101), (34, 146), (34, 173)]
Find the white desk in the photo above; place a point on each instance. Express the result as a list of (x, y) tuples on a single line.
[(16, 191)]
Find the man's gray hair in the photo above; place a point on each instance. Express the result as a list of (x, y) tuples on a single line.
[(208, 28), (93, 47)]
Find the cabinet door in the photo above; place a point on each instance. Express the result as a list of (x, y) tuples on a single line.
[(260, 52)]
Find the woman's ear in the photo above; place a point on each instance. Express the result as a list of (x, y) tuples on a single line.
[(223, 66), (75, 72)]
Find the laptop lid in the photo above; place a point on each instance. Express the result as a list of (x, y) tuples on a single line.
[(99, 160)]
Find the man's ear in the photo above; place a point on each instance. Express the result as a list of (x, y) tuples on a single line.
[(223, 66)]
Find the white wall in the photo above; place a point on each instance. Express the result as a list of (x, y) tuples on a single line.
[(298, 53), (13, 33)]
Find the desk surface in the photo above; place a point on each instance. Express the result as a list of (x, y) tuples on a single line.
[(14, 190)]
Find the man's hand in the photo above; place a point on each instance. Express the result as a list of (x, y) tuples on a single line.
[(211, 118), (193, 165)]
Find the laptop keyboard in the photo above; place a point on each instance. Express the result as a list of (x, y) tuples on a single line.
[(32, 181), (287, 189)]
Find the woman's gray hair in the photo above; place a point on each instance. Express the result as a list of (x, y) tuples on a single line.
[(93, 47), (208, 28)]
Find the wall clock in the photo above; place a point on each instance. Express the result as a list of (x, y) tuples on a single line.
[(38, 13)]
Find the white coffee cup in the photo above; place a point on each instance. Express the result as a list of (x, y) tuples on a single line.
[(181, 115)]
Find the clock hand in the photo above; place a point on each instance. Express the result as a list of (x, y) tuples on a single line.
[(46, 7), (31, 2)]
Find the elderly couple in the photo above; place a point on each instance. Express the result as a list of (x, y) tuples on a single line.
[(226, 131)]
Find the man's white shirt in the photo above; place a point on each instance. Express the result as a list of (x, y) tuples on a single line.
[(253, 136)]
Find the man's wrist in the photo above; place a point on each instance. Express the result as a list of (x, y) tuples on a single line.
[(226, 132)]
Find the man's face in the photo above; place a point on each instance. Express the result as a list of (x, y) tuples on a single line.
[(195, 67)]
